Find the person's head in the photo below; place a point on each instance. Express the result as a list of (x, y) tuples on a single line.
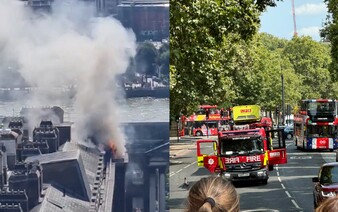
[(213, 194), (329, 205)]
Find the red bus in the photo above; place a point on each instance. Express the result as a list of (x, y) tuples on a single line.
[(315, 125), (199, 125)]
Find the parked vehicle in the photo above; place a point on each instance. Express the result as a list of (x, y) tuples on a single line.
[(288, 132), (326, 183)]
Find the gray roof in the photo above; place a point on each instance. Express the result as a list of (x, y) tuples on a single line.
[(55, 157), (65, 169), (89, 157), (55, 201)]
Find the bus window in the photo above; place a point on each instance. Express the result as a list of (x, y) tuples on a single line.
[(212, 124), (321, 131)]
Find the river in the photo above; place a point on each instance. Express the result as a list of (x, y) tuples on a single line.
[(141, 109)]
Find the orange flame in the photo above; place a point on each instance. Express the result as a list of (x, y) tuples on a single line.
[(113, 147)]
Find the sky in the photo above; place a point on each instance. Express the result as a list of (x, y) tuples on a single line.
[(310, 16)]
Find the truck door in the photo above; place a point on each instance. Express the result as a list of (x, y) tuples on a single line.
[(207, 154), (277, 147)]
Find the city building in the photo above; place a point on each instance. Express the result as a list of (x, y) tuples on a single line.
[(80, 177), (148, 19)]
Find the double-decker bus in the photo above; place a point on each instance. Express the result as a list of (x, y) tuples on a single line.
[(208, 120), (315, 125)]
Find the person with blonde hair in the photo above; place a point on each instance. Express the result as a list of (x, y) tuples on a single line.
[(213, 194), (329, 205)]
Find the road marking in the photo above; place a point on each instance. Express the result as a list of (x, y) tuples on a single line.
[(287, 193), (300, 157), (288, 145), (311, 153), (178, 171), (295, 204)]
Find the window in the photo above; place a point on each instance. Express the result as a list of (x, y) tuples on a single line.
[(329, 175), (241, 146), (321, 131)]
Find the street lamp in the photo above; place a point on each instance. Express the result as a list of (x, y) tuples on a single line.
[(283, 110)]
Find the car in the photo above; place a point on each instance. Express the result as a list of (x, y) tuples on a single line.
[(288, 132), (326, 183)]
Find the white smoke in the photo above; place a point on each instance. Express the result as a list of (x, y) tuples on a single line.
[(70, 46)]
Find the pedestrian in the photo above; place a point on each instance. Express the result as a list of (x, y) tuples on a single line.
[(329, 205), (207, 112), (213, 194)]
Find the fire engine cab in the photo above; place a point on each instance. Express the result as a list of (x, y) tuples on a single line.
[(246, 152)]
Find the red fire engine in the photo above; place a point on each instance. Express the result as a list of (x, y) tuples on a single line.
[(248, 151)]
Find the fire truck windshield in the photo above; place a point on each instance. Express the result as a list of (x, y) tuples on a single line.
[(241, 146), (321, 108)]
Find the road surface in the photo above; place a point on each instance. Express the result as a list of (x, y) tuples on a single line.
[(289, 187)]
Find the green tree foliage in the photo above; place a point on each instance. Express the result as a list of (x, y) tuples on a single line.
[(145, 59), (260, 81), (163, 59), (216, 58), (200, 34), (270, 65), (310, 60), (330, 33), (150, 61)]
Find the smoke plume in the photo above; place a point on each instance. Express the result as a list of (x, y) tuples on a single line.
[(69, 47)]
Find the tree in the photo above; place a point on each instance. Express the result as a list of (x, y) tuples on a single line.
[(270, 64), (145, 58), (163, 61), (330, 33), (310, 60), (201, 35)]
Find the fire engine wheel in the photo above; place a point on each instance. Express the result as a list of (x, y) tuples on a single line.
[(270, 167), (199, 133)]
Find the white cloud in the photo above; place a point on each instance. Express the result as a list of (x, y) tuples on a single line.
[(311, 9), (312, 31)]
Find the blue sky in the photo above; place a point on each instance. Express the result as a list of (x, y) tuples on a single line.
[(310, 15)]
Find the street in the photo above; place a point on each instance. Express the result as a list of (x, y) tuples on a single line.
[(289, 187)]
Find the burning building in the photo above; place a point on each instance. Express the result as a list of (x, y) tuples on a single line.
[(83, 177)]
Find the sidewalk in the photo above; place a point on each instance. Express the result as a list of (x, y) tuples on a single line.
[(181, 146), (190, 139), (182, 139)]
